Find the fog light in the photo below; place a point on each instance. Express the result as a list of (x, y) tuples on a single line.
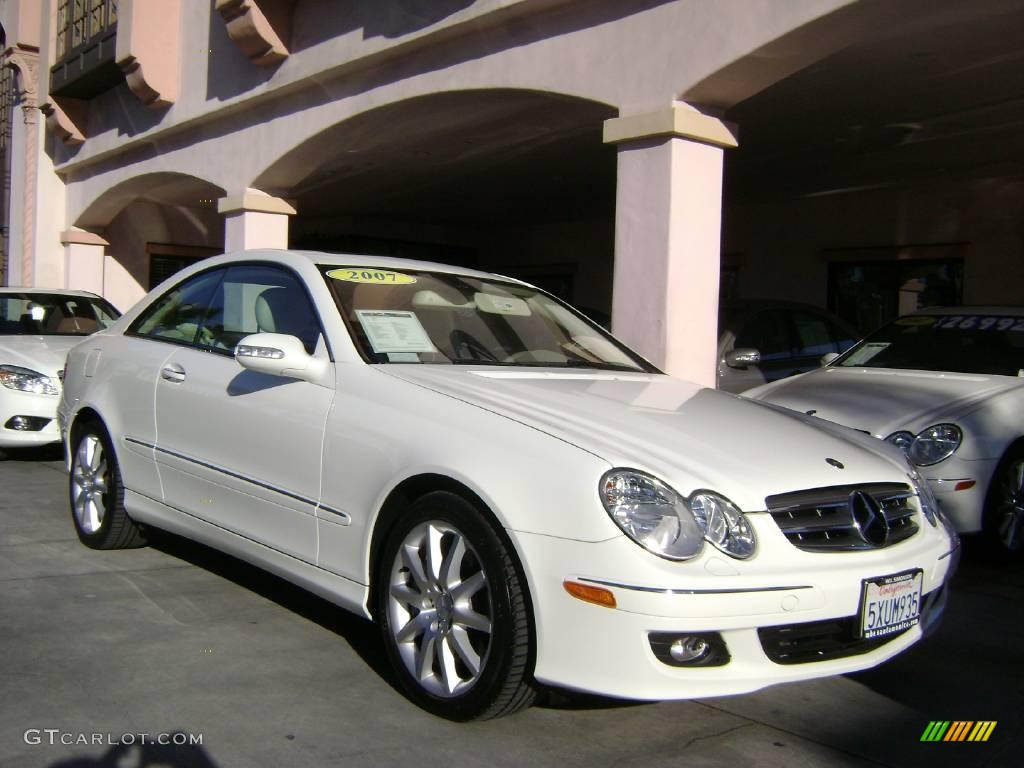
[(704, 649), (26, 423), (687, 650)]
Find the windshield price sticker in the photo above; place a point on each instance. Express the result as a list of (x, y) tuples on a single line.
[(391, 331), (371, 276), (980, 323), (890, 604)]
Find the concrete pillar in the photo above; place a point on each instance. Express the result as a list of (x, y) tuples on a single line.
[(254, 219), (668, 221), (83, 260)]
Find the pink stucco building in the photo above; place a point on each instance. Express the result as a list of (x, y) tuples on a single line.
[(640, 157)]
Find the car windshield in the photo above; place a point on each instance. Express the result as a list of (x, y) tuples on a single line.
[(967, 343), (413, 316), (53, 314)]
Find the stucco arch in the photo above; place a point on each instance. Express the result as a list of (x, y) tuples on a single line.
[(433, 131), (163, 188), (153, 216)]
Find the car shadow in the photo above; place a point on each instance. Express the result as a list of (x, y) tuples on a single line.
[(53, 452), (360, 634), (956, 669)]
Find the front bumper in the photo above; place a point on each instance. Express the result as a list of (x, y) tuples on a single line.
[(608, 650), (13, 404)]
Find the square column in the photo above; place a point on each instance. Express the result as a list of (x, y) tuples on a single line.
[(668, 222), (83, 260), (255, 220)]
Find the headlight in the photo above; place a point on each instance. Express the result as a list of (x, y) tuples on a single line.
[(27, 380), (724, 525), (930, 446), (663, 522), (902, 440)]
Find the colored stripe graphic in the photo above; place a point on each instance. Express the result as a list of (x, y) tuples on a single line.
[(958, 730), (982, 730), (935, 731)]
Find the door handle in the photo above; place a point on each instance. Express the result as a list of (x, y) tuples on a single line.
[(173, 372)]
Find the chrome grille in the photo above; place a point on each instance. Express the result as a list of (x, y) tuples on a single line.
[(823, 520)]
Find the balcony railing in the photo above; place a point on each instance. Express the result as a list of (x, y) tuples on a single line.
[(86, 36)]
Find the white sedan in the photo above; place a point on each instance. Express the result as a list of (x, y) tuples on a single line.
[(37, 328), (515, 497), (947, 386)]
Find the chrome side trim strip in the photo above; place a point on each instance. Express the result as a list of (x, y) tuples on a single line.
[(346, 519), (666, 591)]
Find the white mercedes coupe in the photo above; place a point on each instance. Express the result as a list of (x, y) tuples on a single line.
[(37, 328), (516, 498), (947, 386)]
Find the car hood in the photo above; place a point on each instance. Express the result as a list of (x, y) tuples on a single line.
[(46, 354), (883, 400), (688, 435)]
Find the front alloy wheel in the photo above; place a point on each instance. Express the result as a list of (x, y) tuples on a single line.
[(1004, 508), (439, 609), (97, 495), (453, 614)]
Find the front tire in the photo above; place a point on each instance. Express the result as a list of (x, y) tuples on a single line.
[(1003, 522), (453, 612), (97, 494)]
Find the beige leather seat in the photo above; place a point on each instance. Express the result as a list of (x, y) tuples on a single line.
[(287, 310)]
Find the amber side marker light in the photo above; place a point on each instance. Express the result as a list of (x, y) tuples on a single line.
[(964, 485), (589, 594)]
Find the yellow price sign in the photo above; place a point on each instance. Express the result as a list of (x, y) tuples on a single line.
[(371, 276)]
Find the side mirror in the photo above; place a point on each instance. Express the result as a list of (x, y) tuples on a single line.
[(279, 354), (742, 357), (827, 358)]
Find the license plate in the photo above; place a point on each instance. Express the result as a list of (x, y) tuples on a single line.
[(890, 604)]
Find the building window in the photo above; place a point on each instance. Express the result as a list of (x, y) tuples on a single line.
[(165, 260), (86, 40), (81, 21), (890, 282)]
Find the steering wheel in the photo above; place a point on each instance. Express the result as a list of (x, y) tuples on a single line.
[(466, 345)]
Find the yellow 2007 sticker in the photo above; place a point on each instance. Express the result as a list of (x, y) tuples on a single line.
[(372, 276)]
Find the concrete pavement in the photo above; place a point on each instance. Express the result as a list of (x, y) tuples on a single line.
[(176, 639)]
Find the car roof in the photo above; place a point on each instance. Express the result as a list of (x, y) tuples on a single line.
[(48, 292)]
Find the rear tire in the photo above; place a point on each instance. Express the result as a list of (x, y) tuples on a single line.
[(1003, 522), (453, 612), (97, 493)]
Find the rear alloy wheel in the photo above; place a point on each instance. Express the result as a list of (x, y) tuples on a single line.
[(1004, 508), (97, 494), (452, 612)]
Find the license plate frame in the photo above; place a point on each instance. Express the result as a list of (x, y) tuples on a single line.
[(890, 604)]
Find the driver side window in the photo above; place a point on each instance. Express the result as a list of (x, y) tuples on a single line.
[(177, 315)]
